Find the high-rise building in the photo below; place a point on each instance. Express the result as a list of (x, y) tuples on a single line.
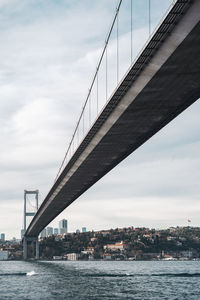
[(22, 233), (3, 237), (43, 233), (55, 231), (63, 226), (49, 231), (77, 230), (83, 229)]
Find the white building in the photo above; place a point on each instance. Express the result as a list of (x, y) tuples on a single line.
[(121, 246), (72, 256), (3, 255), (88, 250), (57, 257)]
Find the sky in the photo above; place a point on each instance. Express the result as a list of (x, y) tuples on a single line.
[(48, 55)]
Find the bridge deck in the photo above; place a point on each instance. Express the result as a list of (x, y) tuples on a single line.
[(163, 82)]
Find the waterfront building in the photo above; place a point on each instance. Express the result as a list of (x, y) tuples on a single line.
[(49, 231), (3, 237), (63, 226), (117, 246), (56, 257), (72, 256), (3, 255), (107, 256), (83, 229), (55, 231), (88, 250)]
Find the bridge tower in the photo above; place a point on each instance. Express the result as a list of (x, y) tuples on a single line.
[(34, 240)]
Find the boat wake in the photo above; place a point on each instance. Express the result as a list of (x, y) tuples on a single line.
[(32, 273), (178, 274), (143, 275), (13, 274)]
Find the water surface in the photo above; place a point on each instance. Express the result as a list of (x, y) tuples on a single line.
[(100, 280)]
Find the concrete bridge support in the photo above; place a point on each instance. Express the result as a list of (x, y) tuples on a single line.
[(35, 244), (25, 248), (37, 250), (33, 240)]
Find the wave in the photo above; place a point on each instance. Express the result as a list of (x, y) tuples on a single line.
[(19, 274), (13, 274), (142, 275), (110, 275), (32, 273), (177, 275)]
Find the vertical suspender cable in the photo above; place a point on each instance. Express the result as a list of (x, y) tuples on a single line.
[(149, 17), (97, 93), (91, 86), (90, 109), (131, 31), (70, 151), (83, 122), (117, 49), (107, 72), (77, 136)]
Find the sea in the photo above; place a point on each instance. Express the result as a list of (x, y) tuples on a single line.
[(100, 280)]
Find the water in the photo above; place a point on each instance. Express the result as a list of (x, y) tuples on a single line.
[(100, 280)]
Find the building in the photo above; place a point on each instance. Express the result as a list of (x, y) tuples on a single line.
[(22, 233), (3, 237), (55, 231), (57, 258), (43, 233), (117, 246), (88, 250), (83, 229), (63, 226), (107, 256), (72, 256), (49, 231), (3, 255)]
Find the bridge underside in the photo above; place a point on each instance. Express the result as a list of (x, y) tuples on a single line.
[(151, 95)]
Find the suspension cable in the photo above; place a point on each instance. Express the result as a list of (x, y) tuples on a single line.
[(91, 86), (29, 201), (131, 31), (90, 110), (106, 73), (117, 49), (149, 17), (97, 94)]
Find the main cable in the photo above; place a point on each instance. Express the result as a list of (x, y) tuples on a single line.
[(91, 86)]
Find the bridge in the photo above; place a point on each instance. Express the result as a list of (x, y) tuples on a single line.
[(160, 83)]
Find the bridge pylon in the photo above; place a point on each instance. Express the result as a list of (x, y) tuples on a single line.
[(34, 240)]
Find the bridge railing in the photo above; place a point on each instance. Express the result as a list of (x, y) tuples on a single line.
[(131, 27)]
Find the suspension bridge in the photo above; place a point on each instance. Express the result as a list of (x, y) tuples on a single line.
[(161, 82)]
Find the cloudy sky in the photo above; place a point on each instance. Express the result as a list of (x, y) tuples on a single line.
[(49, 52)]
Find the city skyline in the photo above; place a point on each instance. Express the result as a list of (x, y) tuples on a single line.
[(41, 62)]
